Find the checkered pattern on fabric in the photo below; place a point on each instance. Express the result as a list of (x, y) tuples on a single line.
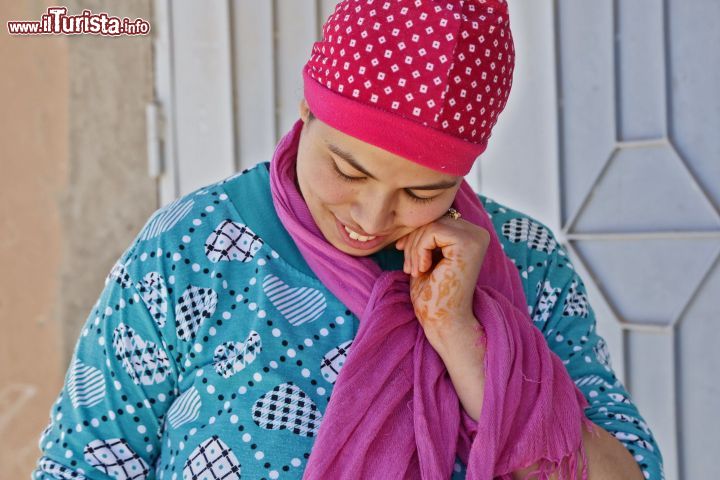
[(114, 457), (287, 407), (120, 275), (524, 230), (576, 302), (212, 460), (602, 353), (232, 357), (143, 360), (51, 467), (232, 241), (193, 307), (547, 296), (154, 293), (333, 361)]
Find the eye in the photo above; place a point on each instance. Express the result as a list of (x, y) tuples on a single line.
[(347, 178), (344, 177), (420, 199)]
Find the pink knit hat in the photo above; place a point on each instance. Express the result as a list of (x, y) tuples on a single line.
[(423, 79)]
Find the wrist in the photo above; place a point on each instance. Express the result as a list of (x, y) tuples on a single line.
[(463, 332)]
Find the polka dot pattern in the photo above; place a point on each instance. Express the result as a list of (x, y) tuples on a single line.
[(444, 64)]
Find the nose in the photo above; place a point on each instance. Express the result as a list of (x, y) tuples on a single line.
[(374, 214)]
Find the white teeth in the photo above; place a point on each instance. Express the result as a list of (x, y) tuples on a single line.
[(357, 236)]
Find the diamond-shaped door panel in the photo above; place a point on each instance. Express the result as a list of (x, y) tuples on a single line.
[(648, 281), (646, 189)]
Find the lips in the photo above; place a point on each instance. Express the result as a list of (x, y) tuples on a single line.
[(357, 230), (357, 236), (357, 243), (361, 231)]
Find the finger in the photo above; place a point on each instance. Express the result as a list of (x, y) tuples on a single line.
[(424, 248), (410, 250), (400, 243), (406, 252), (414, 252)]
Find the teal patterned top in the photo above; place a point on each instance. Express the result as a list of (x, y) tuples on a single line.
[(212, 351)]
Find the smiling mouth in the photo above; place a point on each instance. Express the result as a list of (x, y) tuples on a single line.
[(355, 240), (355, 230), (356, 236)]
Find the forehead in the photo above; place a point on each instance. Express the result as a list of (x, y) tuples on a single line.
[(381, 163)]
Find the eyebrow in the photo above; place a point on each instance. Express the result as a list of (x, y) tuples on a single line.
[(348, 157)]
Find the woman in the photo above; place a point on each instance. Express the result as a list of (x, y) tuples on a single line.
[(352, 309)]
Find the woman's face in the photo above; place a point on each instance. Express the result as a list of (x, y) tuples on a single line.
[(387, 197)]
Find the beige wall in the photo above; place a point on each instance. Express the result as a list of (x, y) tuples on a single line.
[(73, 193)]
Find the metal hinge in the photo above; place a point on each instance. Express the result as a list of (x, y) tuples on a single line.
[(155, 122)]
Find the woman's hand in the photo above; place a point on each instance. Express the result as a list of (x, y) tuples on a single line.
[(444, 258)]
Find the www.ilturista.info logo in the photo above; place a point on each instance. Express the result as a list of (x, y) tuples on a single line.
[(57, 22)]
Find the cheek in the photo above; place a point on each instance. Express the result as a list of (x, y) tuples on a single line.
[(415, 217), (335, 191), (325, 188), (328, 189), (318, 183)]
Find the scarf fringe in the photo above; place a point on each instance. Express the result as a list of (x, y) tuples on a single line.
[(567, 467)]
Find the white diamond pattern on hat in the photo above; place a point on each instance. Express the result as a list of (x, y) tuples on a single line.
[(453, 70)]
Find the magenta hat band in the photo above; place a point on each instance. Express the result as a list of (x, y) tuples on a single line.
[(423, 145)]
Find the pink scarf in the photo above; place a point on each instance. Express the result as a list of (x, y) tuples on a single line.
[(394, 412)]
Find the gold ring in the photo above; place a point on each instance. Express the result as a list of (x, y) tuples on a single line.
[(454, 214)]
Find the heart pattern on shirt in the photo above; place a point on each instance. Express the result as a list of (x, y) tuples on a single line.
[(185, 408), (576, 302), (166, 218), (212, 460), (287, 407), (333, 361), (525, 230), (86, 385), (193, 307), (56, 470), (232, 357), (114, 457), (297, 304), (119, 274), (143, 360), (154, 293), (548, 297), (232, 241)]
